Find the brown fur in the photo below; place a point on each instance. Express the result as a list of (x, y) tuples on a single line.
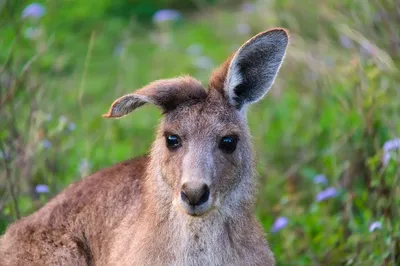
[(133, 214), (218, 76), (76, 226), (167, 94)]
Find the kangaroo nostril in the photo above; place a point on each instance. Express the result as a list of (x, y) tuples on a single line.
[(194, 193), (205, 195), (184, 197)]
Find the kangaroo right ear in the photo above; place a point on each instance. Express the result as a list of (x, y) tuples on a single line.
[(166, 93), (248, 76)]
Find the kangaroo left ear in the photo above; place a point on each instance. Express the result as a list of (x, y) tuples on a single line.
[(165, 93), (254, 66)]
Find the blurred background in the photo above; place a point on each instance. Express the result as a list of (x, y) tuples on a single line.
[(326, 136)]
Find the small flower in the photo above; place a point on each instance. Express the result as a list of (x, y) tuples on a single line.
[(42, 189), (4, 155), (46, 144), (280, 223), (385, 158), (34, 10), (330, 192), (375, 226), (243, 29), (393, 144), (194, 49), (49, 117), (166, 15), (346, 42), (366, 48), (329, 61), (320, 179), (203, 62), (71, 126), (118, 49)]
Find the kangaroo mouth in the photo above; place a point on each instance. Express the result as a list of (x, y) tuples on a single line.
[(195, 210)]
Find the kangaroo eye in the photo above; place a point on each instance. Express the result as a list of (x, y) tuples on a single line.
[(173, 141), (228, 143)]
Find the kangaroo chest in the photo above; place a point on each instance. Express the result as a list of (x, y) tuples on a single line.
[(191, 245)]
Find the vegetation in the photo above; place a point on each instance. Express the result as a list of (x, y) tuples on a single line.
[(327, 135)]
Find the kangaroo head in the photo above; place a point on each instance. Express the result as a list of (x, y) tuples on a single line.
[(202, 155)]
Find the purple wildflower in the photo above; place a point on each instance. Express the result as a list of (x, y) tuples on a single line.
[(46, 144), (166, 15), (4, 155), (42, 189), (375, 226), (346, 42), (330, 192), (280, 223), (389, 145), (367, 49), (71, 126), (118, 49), (385, 158), (34, 10), (329, 61), (320, 179)]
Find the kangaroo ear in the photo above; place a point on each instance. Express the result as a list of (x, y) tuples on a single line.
[(167, 94), (253, 68)]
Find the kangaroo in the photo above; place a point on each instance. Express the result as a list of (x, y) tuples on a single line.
[(189, 202)]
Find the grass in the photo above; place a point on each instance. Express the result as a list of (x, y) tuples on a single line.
[(333, 107)]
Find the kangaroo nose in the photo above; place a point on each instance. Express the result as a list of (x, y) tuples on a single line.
[(194, 193)]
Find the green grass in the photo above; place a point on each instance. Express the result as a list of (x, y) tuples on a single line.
[(334, 105)]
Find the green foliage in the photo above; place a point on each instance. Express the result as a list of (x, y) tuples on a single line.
[(334, 106)]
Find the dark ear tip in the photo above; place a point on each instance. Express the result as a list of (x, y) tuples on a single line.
[(279, 33), (281, 30)]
